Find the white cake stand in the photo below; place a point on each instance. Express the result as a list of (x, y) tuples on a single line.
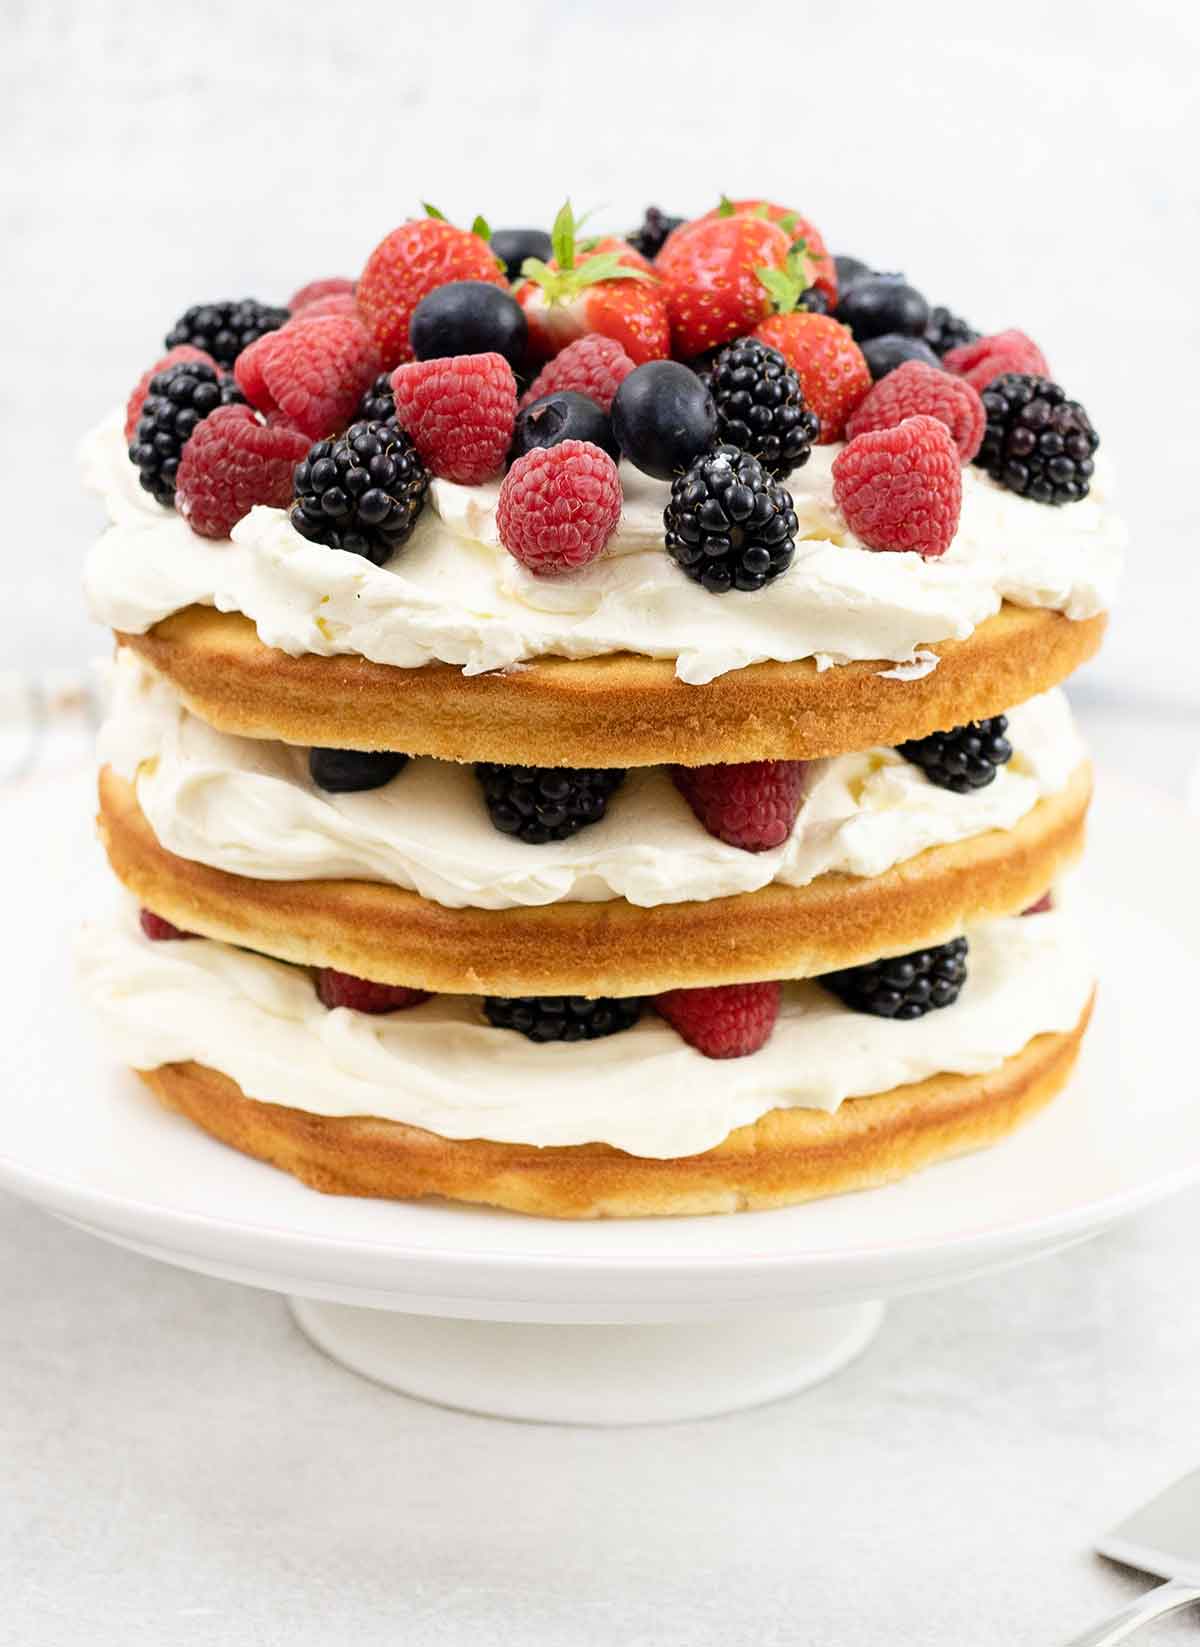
[(605, 1323)]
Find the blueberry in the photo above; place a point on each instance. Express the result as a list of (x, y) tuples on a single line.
[(342, 771), (881, 304), (664, 417), (468, 317), (884, 354), (849, 270), (562, 416), (513, 246)]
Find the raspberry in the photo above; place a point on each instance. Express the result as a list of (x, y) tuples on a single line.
[(333, 303), (314, 373), (558, 507), (915, 389), (315, 289), (595, 366), (343, 989), (987, 357), (231, 463), (901, 488), (133, 406), (406, 264), (752, 805), (459, 411), (1043, 906), (159, 930), (725, 1021)]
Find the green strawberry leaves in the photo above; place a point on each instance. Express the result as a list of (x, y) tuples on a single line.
[(570, 278), (785, 286), (479, 227)]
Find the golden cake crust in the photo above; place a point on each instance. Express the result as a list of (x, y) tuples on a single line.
[(789, 1155), (611, 948), (621, 710)]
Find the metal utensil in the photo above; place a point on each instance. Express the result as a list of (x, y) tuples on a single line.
[(1163, 1537)]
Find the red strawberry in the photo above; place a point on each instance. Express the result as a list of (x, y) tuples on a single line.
[(752, 805), (822, 269), (598, 291), (232, 462), (409, 262), (595, 366), (626, 255), (314, 372), (713, 288), (828, 362), (901, 488), (915, 389), (724, 1021), (558, 507), (317, 289), (343, 989), (133, 406), (460, 412), (989, 357)]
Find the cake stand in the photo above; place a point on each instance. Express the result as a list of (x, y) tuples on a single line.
[(614, 1322)]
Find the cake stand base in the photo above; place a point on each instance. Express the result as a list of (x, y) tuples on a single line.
[(607, 1375)]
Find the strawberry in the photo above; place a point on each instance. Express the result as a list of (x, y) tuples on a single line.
[(713, 284), (725, 1020), (599, 290), (626, 255), (822, 270), (828, 362), (411, 261)]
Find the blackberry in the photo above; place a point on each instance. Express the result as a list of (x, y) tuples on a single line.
[(349, 771), (964, 758), (947, 330), (378, 404), (904, 986), (177, 400), (1037, 442), (563, 1017), (546, 803), (223, 330), (651, 234), (730, 525), (361, 492), (761, 407)]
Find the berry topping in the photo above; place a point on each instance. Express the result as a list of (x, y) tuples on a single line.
[(223, 330), (753, 805), (904, 986), (378, 404), (562, 1017), (947, 331), (606, 287), (884, 354), (850, 270), (546, 803), (730, 525), (803, 235), (650, 235), (562, 416), (133, 406), (877, 304), (315, 290), (313, 372), (901, 488), (1037, 442), (965, 758), (988, 357), (413, 260), (760, 406), (361, 492), (231, 463), (468, 317), (347, 771), (915, 389), (513, 246), (460, 413), (595, 366), (725, 1021), (1043, 906), (828, 362), (333, 303), (713, 287), (161, 931), (177, 401), (343, 989), (558, 507), (664, 417)]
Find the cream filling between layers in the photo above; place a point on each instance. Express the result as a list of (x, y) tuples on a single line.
[(249, 806), (440, 1066), (451, 594)]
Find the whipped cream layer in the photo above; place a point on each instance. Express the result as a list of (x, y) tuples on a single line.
[(442, 1067), (249, 806), (453, 595)]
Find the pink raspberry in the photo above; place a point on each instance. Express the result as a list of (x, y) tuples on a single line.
[(724, 1021), (459, 412), (901, 488), (989, 357), (316, 289), (753, 804), (595, 366), (159, 930), (314, 373), (230, 463), (343, 989), (916, 389), (558, 507), (333, 303), (133, 406), (1043, 906)]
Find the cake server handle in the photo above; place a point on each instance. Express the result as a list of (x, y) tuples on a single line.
[(1167, 1598)]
